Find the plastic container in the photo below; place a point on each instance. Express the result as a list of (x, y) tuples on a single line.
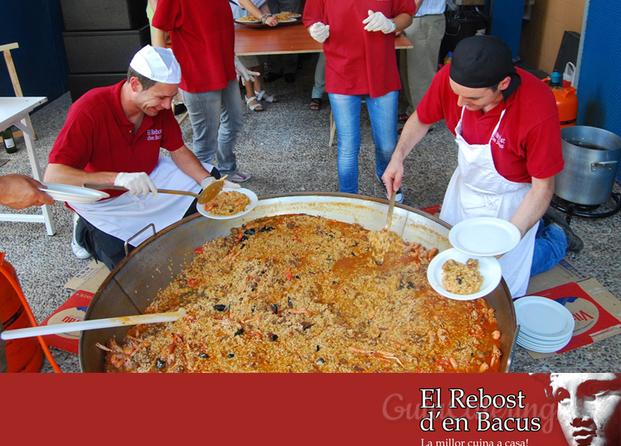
[(22, 355), (566, 99)]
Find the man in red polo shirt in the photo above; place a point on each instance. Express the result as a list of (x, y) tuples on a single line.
[(113, 135), (508, 133)]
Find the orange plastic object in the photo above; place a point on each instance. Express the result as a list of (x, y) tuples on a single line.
[(22, 355), (567, 103)]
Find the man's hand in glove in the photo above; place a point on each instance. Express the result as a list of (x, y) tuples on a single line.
[(207, 181), (378, 22), (138, 183), (243, 74), (319, 31)]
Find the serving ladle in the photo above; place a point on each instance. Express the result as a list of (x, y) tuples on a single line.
[(208, 194)]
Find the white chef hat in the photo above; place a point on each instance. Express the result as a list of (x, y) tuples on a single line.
[(158, 64)]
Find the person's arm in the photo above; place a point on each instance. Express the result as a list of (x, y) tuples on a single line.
[(159, 37), (19, 192), (535, 204), (259, 13), (413, 132), (61, 173), (189, 164), (402, 21)]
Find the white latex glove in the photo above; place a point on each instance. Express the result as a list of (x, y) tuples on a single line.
[(379, 22), (138, 183), (319, 32), (207, 181), (243, 74)]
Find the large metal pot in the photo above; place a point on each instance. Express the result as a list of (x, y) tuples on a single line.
[(591, 159), (134, 283)]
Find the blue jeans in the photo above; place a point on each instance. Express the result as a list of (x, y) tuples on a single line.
[(550, 248), (217, 118), (383, 114)]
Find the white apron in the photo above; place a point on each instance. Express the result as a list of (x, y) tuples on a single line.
[(477, 189), (125, 215)]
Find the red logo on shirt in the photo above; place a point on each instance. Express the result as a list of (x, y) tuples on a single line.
[(499, 140), (154, 134)]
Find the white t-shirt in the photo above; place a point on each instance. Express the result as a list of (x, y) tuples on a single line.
[(238, 11)]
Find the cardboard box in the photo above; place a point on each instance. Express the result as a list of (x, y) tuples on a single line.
[(89, 278), (73, 310)]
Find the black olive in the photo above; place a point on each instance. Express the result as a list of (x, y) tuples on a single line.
[(239, 332), (274, 308), (273, 338), (231, 355), (317, 349), (160, 363), (203, 355), (289, 302), (252, 288), (219, 307), (270, 228), (410, 285), (297, 276), (249, 231), (242, 246), (401, 286), (334, 282), (459, 280), (321, 360), (263, 229), (244, 238), (308, 326)]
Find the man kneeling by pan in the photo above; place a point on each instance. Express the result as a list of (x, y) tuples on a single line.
[(113, 135), (507, 130)]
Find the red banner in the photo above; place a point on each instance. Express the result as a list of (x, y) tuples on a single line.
[(418, 410)]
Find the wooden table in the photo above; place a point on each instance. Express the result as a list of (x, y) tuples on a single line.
[(14, 111), (284, 39)]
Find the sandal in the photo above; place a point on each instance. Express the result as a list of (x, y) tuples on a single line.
[(315, 104), (256, 107), (263, 96)]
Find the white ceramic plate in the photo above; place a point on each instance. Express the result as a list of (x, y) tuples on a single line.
[(248, 22), (485, 236), (542, 348), (489, 268), (253, 202), (543, 318), (65, 192)]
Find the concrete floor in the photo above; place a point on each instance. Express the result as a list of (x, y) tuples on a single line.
[(285, 149)]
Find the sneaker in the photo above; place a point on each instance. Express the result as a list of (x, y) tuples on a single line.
[(78, 250), (574, 243), (239, 177), (398, 197)]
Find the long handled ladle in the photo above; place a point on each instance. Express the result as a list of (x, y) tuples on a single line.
[(391, 208), (94, 324), (208, 194)]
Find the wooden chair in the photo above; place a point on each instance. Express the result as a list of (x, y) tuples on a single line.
[(6, 50)]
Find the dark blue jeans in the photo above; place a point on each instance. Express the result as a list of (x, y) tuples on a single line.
[(550, 248)]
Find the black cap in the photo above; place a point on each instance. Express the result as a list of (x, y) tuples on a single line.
[(482, 62)]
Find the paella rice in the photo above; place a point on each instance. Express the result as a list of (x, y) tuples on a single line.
[(300, 293), (228, 203)]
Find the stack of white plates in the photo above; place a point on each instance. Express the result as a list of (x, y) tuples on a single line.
[(545, 325)]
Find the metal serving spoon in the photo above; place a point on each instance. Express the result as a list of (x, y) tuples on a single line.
[(208, 194)]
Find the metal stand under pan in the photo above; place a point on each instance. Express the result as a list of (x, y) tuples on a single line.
[(587, 211)]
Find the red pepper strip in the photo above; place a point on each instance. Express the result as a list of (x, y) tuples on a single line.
[(192, 282), (199, 250), (296, 236), (288, 274)]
